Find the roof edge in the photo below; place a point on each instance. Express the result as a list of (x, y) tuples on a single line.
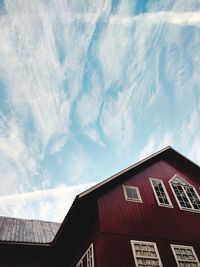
[(26, 243), (109, 179), (168, 150)]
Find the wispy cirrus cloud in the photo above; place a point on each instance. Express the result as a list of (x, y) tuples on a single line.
[(88, 106), (18, 164), (157, 17), (40, 204), (41, 77), (113, 48), (173, 6), (117, 120), (31, 71), (43, 53), (155, 142), (78, 165), (126, 79), (170, 17), (189, 136)]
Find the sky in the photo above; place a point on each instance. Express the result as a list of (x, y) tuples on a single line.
[(87, 88)]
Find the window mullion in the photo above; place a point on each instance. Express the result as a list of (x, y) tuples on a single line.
[(187, 197)]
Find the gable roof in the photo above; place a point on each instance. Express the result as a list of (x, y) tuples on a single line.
[(23, 231), (167, 152), (90, 195), (115, 176)]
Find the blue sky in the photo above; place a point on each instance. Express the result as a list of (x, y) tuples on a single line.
[(88, 88)]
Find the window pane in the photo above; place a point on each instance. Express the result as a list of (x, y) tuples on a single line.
[(146, 254), (160, 192), (85, 261), (132, 193), (185, 256), (193, 197), (186, 195), (181, 196), (88, 258)]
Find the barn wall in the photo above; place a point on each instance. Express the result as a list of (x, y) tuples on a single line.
[(148, 219), (115, 250)]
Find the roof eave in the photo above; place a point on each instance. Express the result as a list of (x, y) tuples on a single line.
[(6, 243), (167, 151), (86, 192)]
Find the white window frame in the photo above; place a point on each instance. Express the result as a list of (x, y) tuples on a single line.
[(90, 258), (178, 261), (165, 191), (192, 209), (136, 257), (138, 200)]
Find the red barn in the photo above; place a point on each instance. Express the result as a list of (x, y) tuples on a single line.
[(146, 215)]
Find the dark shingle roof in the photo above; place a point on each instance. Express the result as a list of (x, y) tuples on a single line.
[(27, 231)]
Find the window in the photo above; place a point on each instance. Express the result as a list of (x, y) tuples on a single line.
[(132, 193), (185, 256), (185, 194), (145, 254), (88, 258), (160, 193)]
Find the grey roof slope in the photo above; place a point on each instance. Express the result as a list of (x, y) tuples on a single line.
[(14, 230)]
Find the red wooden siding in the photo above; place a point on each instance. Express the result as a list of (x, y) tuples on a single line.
[(116, 251), (147, 219)]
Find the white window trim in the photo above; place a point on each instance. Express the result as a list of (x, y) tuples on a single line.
[(184, 208), (145, 257), (92, 247), (184, 247), (139, 200), (168, 198)]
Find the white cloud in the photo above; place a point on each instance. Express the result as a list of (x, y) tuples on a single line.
[(77, 165), (49, 204), (44, 55), (43, 50), (30, 68), (88, 107), (112, 51), (182, 19), (94, 135), (156, 142), (190, 127), (42, 60), (18, 163), (189, 136), (150, 147), (58, 145), (194, 151), (185, 139), (117, 120), (123, 18)]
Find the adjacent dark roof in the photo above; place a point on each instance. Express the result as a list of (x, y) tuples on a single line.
[(14, 230)]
